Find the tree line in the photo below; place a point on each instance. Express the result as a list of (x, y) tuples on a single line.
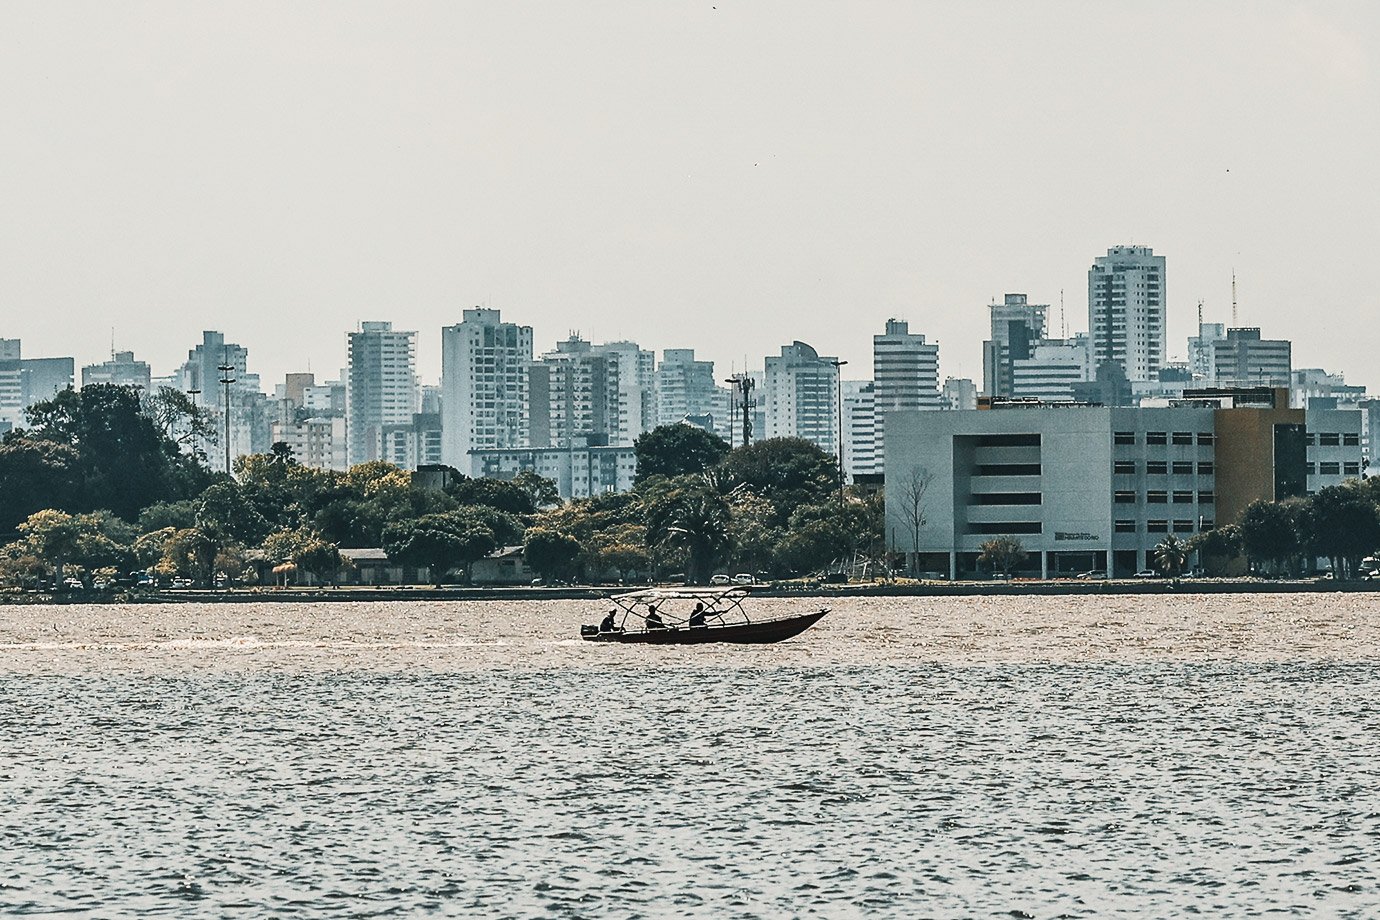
[(105, 481)]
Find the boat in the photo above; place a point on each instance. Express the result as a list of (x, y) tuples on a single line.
[(691, 616)]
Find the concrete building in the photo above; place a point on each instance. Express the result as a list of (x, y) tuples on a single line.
[(11, 384), (575, 392), (381, 386), (636, 411), (959, 394), (484, 379), (1202, 352), (121, 370), (315, 441), (413, 444), (1370, 430), (1243, 359), (1089, 488), (1314, 387), (859, 428), (1126, 310), (44, 378), (1051, 369), (800, 397), (580, 470), (1016, 324), (685, 387), (905, 374)]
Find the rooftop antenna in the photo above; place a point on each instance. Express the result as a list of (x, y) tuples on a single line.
[(1063, 322), (1200, 313), (1234, 323), (112, 343)]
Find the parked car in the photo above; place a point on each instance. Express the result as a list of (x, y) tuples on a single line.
[(1093, 576), (1147, 573), (744, 579), (720, 580), (73, 584)]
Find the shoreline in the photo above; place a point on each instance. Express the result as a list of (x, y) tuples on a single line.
[(1062, 588)]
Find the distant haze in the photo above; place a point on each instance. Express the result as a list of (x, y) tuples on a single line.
[(722, 175)]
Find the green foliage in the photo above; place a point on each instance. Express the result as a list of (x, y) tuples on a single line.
[(37, 473), (1269, 534), (677, 450), (1217, 547), (523, 495), (227, 512), (440, 542), (1171, 556), (550, 553), (788, 472), (688, 514), (168, 514), (1002, 553), (1343, 526)]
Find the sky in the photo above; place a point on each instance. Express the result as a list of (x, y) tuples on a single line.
[(723, 175)]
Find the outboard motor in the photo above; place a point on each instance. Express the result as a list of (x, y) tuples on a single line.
[(589, 630)]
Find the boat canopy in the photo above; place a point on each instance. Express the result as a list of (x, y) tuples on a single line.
[(675, 607)]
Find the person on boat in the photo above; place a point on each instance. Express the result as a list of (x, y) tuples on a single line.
[(697, 615), (654, 620), (608, 624)]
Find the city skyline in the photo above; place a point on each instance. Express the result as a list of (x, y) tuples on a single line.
[(376, 169)]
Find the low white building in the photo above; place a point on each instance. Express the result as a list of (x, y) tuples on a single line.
[(579, 471)]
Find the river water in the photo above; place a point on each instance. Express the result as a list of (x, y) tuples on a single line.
[(1011, 757)]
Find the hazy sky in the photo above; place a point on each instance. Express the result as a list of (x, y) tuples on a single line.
[(721, 174)]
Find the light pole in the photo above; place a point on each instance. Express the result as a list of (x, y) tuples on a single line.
[(226, 380), (838, 377), (743, 384)]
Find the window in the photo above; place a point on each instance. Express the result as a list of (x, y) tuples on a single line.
[(1205, 438), (1124, 498), (1183, 468), (1204, 525), (1125, 526), (1205, 468), (1351, 440), (1329, 469), (1183, 498), (1183, 527), (1156, 437), (1310, 439), (1008, 440), (1351, 469), (1157, 467), (1157, 498), (1002, 527), (1007, 498), (1183, 437), (1206, 497), (1329, 440), (1125, 467), (1008, 469), (1157, 527), (1124, 437), (1311, 468)]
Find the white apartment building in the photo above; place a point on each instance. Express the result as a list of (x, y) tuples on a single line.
[(121, 370), (1015, 324), (381, 386), (316, 441), (580, 470), (905, 375), (1242, 358), (686, 387), (959, 394), (800, 397), (859, 428), (636, 411), (1052, 369), (250, 430), (1126, 310), (484, 379), (575, 392)]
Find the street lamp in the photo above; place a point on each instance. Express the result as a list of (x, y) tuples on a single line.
[(838, 377), (226, 379)]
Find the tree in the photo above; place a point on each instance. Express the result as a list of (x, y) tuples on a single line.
[(550, 553), (36, 473), (225, 510), (1269, 534), (1171, 556), (181, 420), (677, 450), (440, 542), (687, 514), (1002, 553), (319, 557), (788, 472), (907, 492), (1216, 547), (52, 537), (191, 552), (1344, 526)]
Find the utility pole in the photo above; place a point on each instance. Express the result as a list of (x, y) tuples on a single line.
[(226, 379), (742, 385)]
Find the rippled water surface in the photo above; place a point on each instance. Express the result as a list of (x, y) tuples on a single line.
[(905, 758)]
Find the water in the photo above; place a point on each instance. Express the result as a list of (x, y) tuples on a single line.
[(906, 758)]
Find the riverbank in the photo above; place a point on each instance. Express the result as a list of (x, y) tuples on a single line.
[(1017, 588)]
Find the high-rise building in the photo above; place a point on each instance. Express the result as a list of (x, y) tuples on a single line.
[(1244, 359), (636, 390), (484, 380), (381, 388), (1126, 311), (799, 396), (201, 374), (959, 394), (905, 374), (1202, 352), (1051, 369), (1311, 387), (44, 378), (310, 420), (859, 428), (121, 370), (685, 387), (1016, 325), (575, 391), (11, 385)]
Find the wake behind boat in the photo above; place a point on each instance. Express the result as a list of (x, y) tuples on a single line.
[(690, 616)]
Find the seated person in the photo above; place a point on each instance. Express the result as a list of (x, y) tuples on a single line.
[(654, 620), (697, 615), (608, 624)]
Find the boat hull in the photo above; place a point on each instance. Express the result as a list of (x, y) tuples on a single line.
[(759, 633)]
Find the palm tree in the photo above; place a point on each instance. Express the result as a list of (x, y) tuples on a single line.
[(695, 519), (1171, 555)]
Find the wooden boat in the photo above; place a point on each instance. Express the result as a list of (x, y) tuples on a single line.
[(691, 616)]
